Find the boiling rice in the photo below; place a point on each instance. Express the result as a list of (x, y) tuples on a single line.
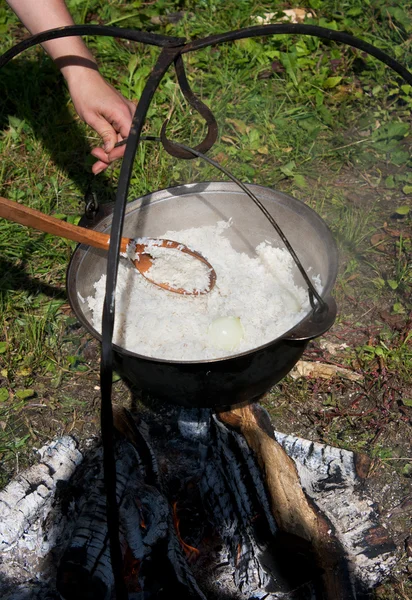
[(259, 291)]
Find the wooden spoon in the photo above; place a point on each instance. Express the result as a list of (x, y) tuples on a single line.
[(142, 259)]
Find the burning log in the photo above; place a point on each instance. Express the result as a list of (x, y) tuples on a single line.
[(86, 565), (300, 505), (32, 592), (146, 523), (332, 478), (234, 498), (294, 513)]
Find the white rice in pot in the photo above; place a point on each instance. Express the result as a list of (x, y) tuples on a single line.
[(254, 301)]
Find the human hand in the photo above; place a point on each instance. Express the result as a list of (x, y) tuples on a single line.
[(103, 108), (96, 102)]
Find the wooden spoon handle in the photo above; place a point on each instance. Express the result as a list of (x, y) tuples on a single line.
[(12, 211)]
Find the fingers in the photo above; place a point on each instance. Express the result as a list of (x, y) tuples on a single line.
[(105, 159), (109, 138), (112, 129), (98, 167), (108, 130), (103, 108), (102, 160)]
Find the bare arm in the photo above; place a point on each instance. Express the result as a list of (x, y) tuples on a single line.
[(40, 15), (96, 102)]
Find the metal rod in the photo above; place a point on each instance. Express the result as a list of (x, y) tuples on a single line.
[(299, 28), (322, 307), (143, 37), (106, 366)]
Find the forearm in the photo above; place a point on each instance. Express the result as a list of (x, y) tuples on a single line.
[(97, 103), (70, 53)]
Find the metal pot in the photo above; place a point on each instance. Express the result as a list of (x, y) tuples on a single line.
[(242, 377)]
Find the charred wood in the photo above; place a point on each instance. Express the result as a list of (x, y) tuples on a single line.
[(31, 492), (294, 511), (85, 569), (161, 541), (35, 591), (236, 500), (234, 494), (146, 525), (337, 491)]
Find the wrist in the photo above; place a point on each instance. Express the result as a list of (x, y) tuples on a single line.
[(77, 68)]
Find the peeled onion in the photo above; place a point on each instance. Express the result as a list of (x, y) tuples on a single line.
[(226, 332)]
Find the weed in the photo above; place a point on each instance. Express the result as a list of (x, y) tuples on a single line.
[(393, 353)]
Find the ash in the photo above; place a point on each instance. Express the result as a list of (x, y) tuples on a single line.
[(194, 517)]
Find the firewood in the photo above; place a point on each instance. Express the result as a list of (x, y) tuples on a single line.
[(294, 512), (305, 368), (333, 478), (34, 591), (31, 492), (85, 568), (147, 533), (237, 482), (234, 494)]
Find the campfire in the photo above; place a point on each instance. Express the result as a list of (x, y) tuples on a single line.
[(212, 505)]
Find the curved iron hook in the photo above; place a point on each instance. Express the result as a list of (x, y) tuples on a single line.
[(200, 107)]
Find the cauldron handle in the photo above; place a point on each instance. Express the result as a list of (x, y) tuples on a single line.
[(320, 307), (89, 220), (315, 325)]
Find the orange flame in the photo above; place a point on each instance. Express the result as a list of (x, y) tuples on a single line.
[(191, 552)]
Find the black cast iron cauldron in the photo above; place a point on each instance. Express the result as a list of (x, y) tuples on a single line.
[(239, 378)]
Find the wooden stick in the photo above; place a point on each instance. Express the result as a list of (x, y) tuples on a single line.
[(13, 211)]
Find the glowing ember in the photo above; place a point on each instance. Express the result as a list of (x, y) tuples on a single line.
[(191, 552)]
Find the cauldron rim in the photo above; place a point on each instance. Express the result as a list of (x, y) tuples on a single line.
[(307, 328)]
